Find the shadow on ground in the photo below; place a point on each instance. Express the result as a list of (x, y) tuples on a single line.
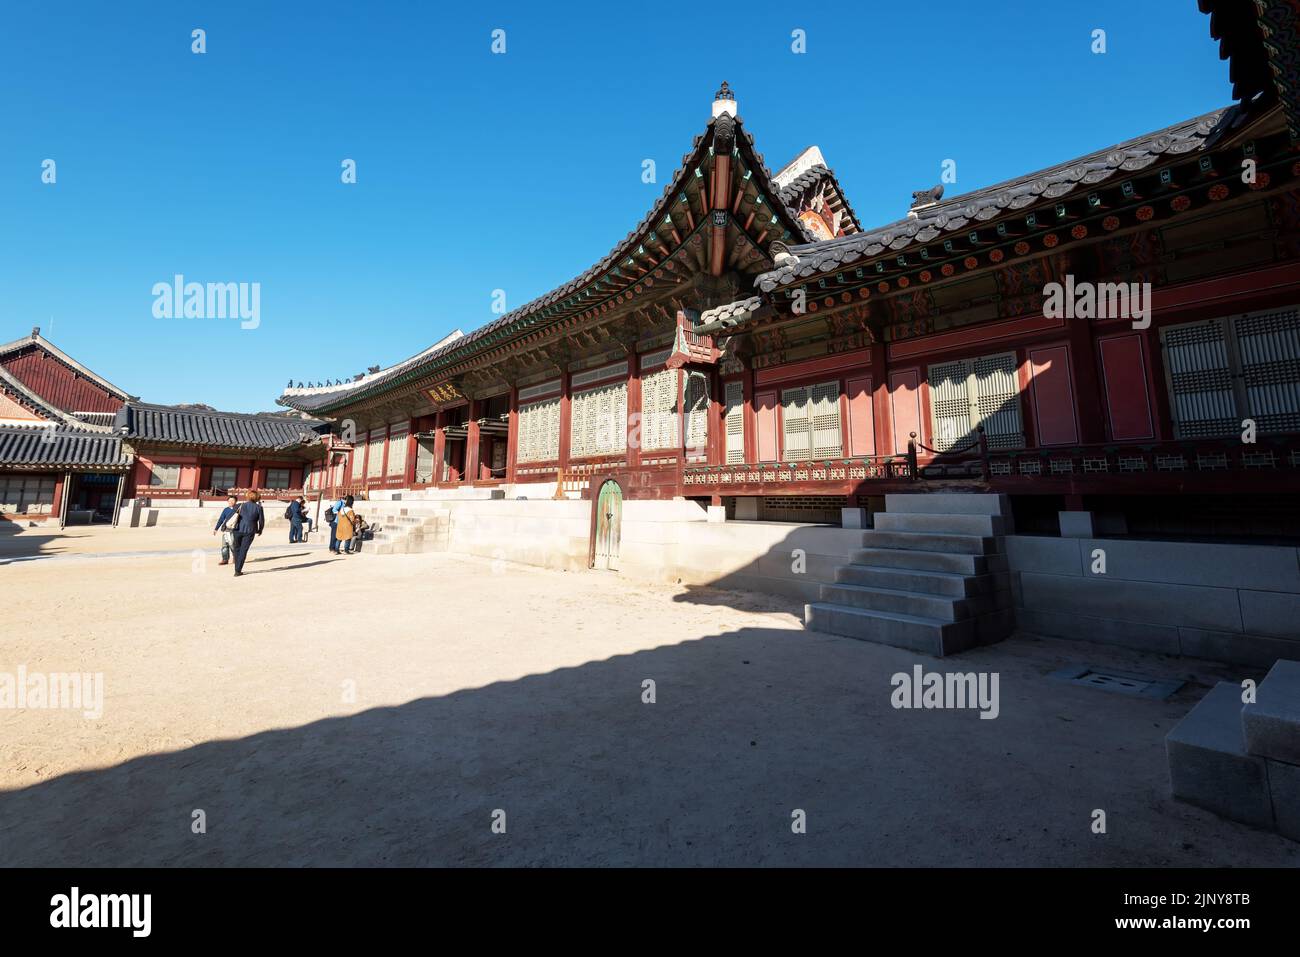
[(747, 727)]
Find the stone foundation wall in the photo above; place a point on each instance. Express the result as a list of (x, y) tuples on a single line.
[(1235, 603)]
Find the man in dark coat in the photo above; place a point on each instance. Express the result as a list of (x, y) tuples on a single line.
[(295, 522), (251, 523)]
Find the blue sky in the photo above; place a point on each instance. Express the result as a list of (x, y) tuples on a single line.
[(477, 171)]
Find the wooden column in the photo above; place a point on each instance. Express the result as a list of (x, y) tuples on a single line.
[(408, 476), (881, 413), (472, 443), (565, 413), (1087, 384), (750, 417), (439, 446), (716, 440), (512, 436), (634, 433)]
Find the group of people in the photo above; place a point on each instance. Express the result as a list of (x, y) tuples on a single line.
[(241, 522)]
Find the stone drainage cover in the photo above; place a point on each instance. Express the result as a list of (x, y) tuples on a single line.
[(1123, 682)]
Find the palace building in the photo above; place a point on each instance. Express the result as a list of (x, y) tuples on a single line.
[(1104, 350), (751, 346)]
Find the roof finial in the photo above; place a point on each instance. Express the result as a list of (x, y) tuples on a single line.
[(36, 332), (724, 101)]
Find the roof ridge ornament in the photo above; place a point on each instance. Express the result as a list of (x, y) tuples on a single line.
[(781, 254), (922, 199), (724, 101)]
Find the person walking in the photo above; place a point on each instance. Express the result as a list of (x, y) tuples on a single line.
[(294, 511), (346, 519), (227, 535), (251, 522), (332, 516)]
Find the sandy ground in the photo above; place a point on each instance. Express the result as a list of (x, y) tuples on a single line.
[(378, 710)]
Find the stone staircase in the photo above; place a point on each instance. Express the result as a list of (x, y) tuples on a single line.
[(400, 529), (931, 577), (1242, 761)]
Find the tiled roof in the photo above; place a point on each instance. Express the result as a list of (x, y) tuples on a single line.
[(499, 328), (808, 180), (11, 383), (235, 430), (36, 339), (981, 206), (730, 314), (44, 447)]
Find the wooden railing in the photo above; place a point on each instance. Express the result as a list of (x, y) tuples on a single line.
[(1192, 464)]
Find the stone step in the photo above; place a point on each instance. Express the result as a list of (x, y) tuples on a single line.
[(1271, 724), (949, 503), (931, 542), (930, 561), (1209, 765), (940, 607), (914, 632), (981, 525), (930, 582)]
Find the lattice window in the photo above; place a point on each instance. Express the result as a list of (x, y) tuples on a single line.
[(1200, 379), (659, 410), (997, 397), (539, 431), (811, 422), (598, 423), (397, 451), (1268, 345), (950, 404), (26, 495), (375, 455), (827, 439), (164, 476), (968, 393), (733, 421), (697, 411)]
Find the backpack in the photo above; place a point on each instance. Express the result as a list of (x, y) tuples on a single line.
[(287, 511), (329, 515)]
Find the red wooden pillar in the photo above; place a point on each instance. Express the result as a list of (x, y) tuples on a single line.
[(750, 416), (634, 431), (512, 435), (1087, 384), (880, 410), (716, 449), (257, 476), (565, 419), (439, 447), (408, 477), (472, 444), (60, 490), (383, 457)]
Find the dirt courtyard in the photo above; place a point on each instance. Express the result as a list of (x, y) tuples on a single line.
[(387, 710)]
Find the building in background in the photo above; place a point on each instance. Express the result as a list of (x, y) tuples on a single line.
[(76, 448), (59, 457)]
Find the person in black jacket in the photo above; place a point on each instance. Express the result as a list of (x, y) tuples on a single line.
[(295, 521), (251, 522)]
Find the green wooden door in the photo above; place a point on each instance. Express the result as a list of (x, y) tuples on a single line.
[(609, 517)]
